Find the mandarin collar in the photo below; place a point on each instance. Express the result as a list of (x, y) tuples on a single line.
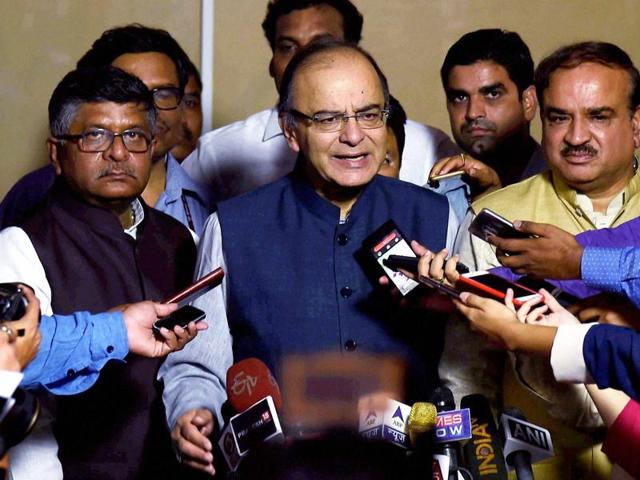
[(320, 206)]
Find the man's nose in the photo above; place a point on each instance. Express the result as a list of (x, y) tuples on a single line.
[(475, 109), (117, 151), (352, 133), (578, 132)]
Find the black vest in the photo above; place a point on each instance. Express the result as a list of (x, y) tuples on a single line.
[(117, 429)]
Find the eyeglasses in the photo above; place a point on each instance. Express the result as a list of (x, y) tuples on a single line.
[(166, 98), (335, 122), (100, 140)]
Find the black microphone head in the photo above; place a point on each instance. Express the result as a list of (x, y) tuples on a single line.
[(442, 398)]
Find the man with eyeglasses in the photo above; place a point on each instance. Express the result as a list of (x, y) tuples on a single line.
[(158, 60), (94, 244), (297, 281)]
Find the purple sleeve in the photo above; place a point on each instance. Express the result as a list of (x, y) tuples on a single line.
[(625, 235)]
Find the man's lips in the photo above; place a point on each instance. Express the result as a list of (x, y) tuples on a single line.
[(352, 158), (478, 131)]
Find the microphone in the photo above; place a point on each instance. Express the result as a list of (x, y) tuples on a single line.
[(524, 443), (252, 390), (422, 418), (452, 426), (248, 381), (483, 454), (390, 424)]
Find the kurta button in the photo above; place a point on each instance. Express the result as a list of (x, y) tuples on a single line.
[(343, 239), (110, 349), (71, 372), (350, 345), (346, 292)]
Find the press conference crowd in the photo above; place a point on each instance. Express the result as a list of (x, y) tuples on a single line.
[(298, 204)]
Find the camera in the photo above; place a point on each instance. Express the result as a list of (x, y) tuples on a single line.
[(13, 303), (19, 413)]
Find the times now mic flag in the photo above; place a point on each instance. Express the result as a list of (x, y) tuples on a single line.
[(521, 435), (389, 424), (453, 426)]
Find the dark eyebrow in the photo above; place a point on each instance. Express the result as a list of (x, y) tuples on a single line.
[(340, 112), (601, 110), (557, 111), (492, 87), (454, 91)]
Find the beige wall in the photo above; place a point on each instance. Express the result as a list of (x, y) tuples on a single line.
[(40, 41)]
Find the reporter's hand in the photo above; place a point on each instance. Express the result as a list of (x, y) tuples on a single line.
[(493, 319), (554, 253), (551, 313), (8, 356), (139, 319), (190, 436), (483, 178), (27, 345)]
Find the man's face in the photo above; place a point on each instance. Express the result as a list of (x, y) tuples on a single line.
[(485, 108), (111, 177), (298, 29), (588, 132), (342, 82), (391, 164), (191, 125), (156, 70)]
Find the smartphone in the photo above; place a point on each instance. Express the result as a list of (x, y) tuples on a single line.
[(385, 241), (489, 223), (489, 285), (182, 317), (444, 176), (410, 264), (200, 287)]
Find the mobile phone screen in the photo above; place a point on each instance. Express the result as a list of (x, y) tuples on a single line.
[(182, 317), (394, 244)]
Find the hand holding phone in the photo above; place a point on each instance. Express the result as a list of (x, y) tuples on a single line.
[(181, 317)]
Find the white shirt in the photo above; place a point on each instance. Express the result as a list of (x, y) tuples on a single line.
[(244, 155)]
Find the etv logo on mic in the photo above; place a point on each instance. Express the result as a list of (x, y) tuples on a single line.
[(453, 426)]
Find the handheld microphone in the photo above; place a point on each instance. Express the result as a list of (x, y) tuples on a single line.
[(422, 418), (253, 391), (248, 381), (483, 454), (524, 443), (452, 426)]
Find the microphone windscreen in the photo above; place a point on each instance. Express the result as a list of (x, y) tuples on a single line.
[(248, 381), (422, 417), (442, 398), (483, 453)]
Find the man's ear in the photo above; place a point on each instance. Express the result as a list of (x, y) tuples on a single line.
[(290, 133), (271, 73), (55, 154), (529, 103), (635, 125)]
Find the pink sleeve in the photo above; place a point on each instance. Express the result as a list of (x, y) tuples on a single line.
[(622, 442)]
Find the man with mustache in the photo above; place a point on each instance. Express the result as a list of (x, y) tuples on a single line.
[(94, 244), (590, 109), (487, 76), (157, 59)]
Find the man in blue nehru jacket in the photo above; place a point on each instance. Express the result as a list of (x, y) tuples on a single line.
[(294, 284)]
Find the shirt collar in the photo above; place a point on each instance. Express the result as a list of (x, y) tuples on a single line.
[(178, 180), (137, 212), (569, 195), (320, 206), (272, 128)]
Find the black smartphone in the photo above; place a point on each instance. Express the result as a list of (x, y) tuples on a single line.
[(385, 241), (181, 317), (410, 264), (489, 223)]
